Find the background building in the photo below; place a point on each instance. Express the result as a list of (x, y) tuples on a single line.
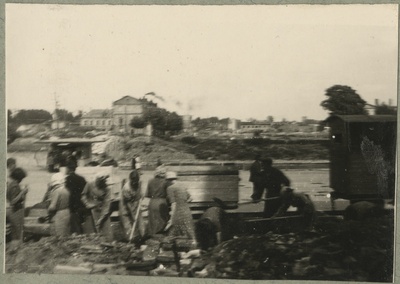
[(233, 124), (118, 118), (255, 126), (98, 118), (124, 110)]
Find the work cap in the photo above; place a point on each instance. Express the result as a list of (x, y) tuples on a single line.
[(171, 175), (57, 179)]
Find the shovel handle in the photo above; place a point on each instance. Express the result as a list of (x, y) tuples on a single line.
[(259, 200), (135, 222)]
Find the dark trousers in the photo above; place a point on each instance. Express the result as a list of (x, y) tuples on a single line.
[(272, 206), (76, 223), (258, 190)]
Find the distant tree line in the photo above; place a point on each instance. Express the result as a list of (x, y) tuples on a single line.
[(34, 116)]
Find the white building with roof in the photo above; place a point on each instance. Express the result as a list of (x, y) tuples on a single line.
[(124, 110), (118, 118), (101, 119)]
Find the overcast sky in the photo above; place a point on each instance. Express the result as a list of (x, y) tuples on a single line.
[(226, 61)]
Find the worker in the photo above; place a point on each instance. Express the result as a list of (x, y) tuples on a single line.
[(364, 210), (15, 203), (51, 160), (209, 227), (59, 206), (181, 221), (11, 165), (158, 207), (273, 180), (96, 196), (129, 205), (256, 177), (301, 201), (75, 185)]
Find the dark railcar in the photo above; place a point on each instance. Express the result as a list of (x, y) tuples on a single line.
[(363, 156)]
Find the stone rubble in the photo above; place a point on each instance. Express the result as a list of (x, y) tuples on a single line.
[(334, 250)]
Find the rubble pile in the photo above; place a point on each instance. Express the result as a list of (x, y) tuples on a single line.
[(91, 254), (346, 250), (334, 250), (124, 150)]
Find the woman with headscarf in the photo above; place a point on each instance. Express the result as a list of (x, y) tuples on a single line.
[(158, 207), (181, 221), (15, 198), (59, 206)]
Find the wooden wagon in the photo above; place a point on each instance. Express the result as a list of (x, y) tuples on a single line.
[(55, 158)]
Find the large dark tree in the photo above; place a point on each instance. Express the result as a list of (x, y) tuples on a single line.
[(173, 122), (343, 100), (138, 122), (161, 119), (32, 116)]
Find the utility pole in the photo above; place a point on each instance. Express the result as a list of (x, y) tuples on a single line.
[(125, 118), (57, 105)]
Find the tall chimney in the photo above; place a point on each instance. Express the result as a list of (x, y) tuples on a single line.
[(377, 102), (390, 102)]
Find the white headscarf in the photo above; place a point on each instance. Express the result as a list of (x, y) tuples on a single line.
[(57, 179)]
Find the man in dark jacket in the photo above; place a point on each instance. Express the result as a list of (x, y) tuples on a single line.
[(256, 177), (274, 179), (75, 185)]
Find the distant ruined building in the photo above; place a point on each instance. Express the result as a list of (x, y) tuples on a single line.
[(118, 118)]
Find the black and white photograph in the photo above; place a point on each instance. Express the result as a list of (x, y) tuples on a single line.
[(235, 142)]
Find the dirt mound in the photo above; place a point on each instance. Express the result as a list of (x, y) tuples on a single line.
[(217, 149), (124, 149)]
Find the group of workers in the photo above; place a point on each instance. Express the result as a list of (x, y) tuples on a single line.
[(168, 208), (77, 206), (279, 196), (69, 200)]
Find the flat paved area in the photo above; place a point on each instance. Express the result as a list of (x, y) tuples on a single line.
[(315, 182)]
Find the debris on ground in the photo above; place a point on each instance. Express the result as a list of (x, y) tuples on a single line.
[(334, 250)]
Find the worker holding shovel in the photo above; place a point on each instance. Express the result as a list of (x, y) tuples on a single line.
[(96, 196), (274, 180), (129, 206)]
